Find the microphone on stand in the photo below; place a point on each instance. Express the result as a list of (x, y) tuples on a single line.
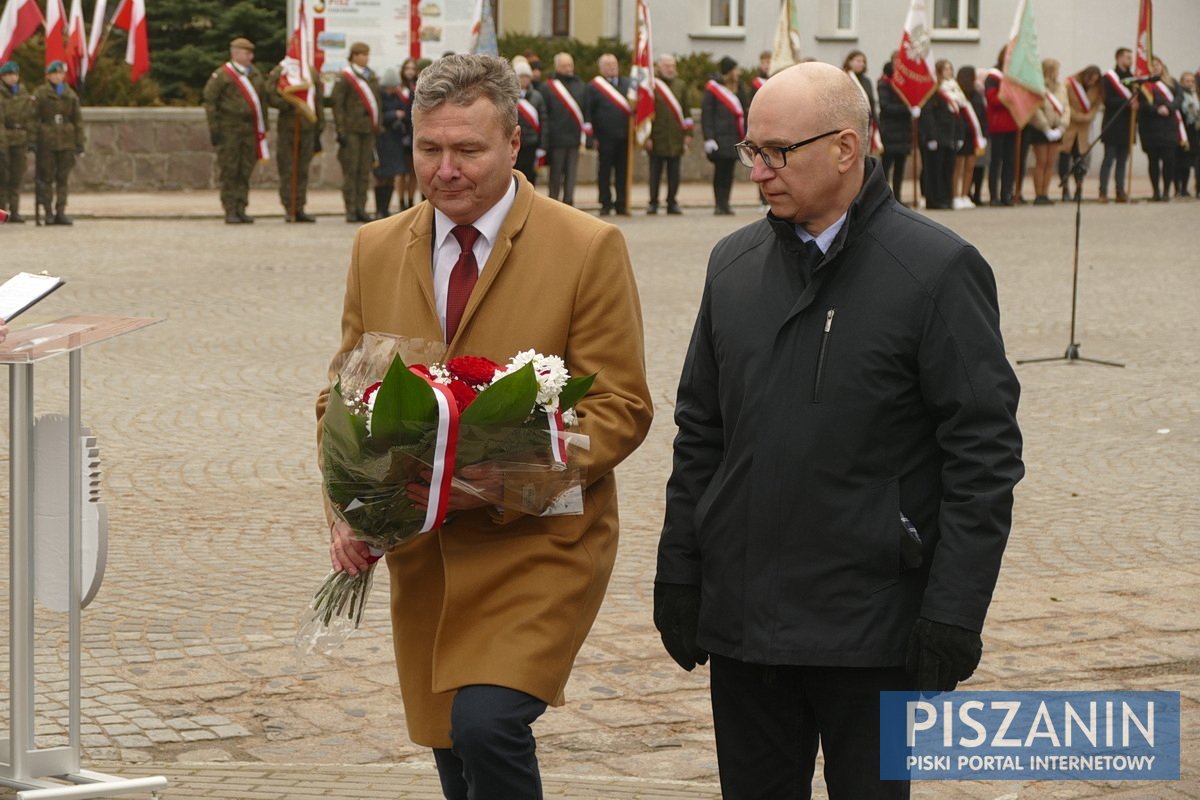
[(1132, 81)]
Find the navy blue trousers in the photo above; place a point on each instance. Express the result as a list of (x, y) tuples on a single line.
[(769, 721), (493, 753)]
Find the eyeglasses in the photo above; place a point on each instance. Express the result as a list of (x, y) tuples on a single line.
[(773, 156)]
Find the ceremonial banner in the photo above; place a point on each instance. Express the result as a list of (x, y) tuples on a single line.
[(20, 20), (913, 77), (642, 73), (1023, 87), (785, 50)]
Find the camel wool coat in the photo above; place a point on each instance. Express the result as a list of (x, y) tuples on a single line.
[(508, 600)]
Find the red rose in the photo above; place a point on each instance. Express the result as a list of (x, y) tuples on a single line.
[(463, 394), (475, 370), (421, 370)]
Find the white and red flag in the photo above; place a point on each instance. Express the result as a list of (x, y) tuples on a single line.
[(77, 47), (912, 70), (1145, 40), (56, 32), (642, 73), (131, 17), (99, 18), (20, 20), (296, 78)]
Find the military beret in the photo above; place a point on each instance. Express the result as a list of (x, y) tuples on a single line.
[(10, 67), (243, 43), (359, 47), (56, 66)]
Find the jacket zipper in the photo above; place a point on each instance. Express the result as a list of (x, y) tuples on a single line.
[(821, 355)]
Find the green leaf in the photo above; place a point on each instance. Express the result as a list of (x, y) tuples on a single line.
[(344, 432), (402, 399), (574, 391), (508, 401)]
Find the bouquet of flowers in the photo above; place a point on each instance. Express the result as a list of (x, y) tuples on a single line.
[(397, 415)]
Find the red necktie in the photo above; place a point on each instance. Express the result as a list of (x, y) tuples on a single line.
[(462, 278)]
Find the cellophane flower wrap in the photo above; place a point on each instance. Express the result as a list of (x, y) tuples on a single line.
[(387, 424)]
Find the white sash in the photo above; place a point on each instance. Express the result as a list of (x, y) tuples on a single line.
[(568, 101), (757, 82), (730, 101), (977, 136), (365, 94), (612, 94), (1080, 95), (1169, 96), (251, 97), (1054, 102), (1115, 80), (527, 110), (664, 91)]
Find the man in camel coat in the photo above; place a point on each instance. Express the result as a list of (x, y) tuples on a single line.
[(490, 610)]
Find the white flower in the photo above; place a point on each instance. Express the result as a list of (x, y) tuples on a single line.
[(551, 375), (570, 418), (440, 374)]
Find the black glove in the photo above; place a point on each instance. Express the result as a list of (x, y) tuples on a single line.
[(317, 146), (341, 140), (677, 617), (216, 138), (941, 655)]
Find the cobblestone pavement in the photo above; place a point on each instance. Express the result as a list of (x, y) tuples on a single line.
[(207, 447)]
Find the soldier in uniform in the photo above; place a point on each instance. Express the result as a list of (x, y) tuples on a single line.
[(355, 100), (670, 133), (298, 129), (16, 117), (58, 122), (237, 126)]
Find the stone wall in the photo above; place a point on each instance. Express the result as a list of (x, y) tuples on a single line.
[(167, 149)]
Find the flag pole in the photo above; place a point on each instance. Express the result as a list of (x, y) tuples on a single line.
[(632, 133), (295, 159), (1133, 110), (1019, 178), (916, 154)]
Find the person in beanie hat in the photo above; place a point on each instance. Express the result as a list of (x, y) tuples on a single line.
[(723, 121), (16, 126), (233, 103), (355, 99), (58, 122)]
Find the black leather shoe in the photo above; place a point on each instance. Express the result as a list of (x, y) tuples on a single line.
[(244, 218), (62, 219), (232, 219), (363, 216), (674, 208), (302, 217), (652, 208), (352, 217), (15, 218)]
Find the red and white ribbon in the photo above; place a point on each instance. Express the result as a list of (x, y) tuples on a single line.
[(664, 91), (568, 101), (977, 137), (757, 82), (558, 438), (530, 114), (1054, 102), (1166, 94), (1081, 97), (365, 94), (251, 96), (612, 94), (444, 449), (731, 102), (1115, 81)]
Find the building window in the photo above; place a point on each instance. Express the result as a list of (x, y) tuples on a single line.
[(956, 15), (560, 18), (845, 15), (727, 13)]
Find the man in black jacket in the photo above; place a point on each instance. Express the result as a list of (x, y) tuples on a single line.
[(608, 108), (1119, 100), (564, 95), (846, 456)]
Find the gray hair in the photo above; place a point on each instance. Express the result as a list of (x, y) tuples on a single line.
[(462, 79)]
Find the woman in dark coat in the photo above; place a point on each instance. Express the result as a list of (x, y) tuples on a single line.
[(895, 128), (389, 148), (940, 133), (1158, 128), (723, 121)]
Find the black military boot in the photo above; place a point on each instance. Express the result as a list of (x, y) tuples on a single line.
[(60, 218)]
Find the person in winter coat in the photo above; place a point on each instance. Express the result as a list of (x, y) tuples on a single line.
[(1187, 158), (670, 133), (1002, 133), (723, 122), (490, 609), (1046, 129), (1084, 96), (394, 128), (895, 128), (531, 116), (845, 461), (972, 117), (1159, 127), (941, 135), (1119, 103), (564, 94)]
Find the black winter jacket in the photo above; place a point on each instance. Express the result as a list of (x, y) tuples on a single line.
[(895, 120), (560, 126), (813, 414)]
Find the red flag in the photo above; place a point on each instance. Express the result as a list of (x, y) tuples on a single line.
[(642, 72), (77, 48), (99, 17), (131, 17), (1145, 49), (912, 76), (56, 28), (296, 79), (20, 20)]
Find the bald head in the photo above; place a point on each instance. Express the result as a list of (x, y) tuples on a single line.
[(821, 94)]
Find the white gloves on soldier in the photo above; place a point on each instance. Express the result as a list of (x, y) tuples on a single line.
[(710, 146)]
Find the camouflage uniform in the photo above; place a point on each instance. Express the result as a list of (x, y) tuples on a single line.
[(231, 125), (15, 139), (356, 141), (58, 126), (285, 141)]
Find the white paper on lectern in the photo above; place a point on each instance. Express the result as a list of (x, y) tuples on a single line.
[(23, 290)]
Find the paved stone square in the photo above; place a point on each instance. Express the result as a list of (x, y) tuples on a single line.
[(205, 425)]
